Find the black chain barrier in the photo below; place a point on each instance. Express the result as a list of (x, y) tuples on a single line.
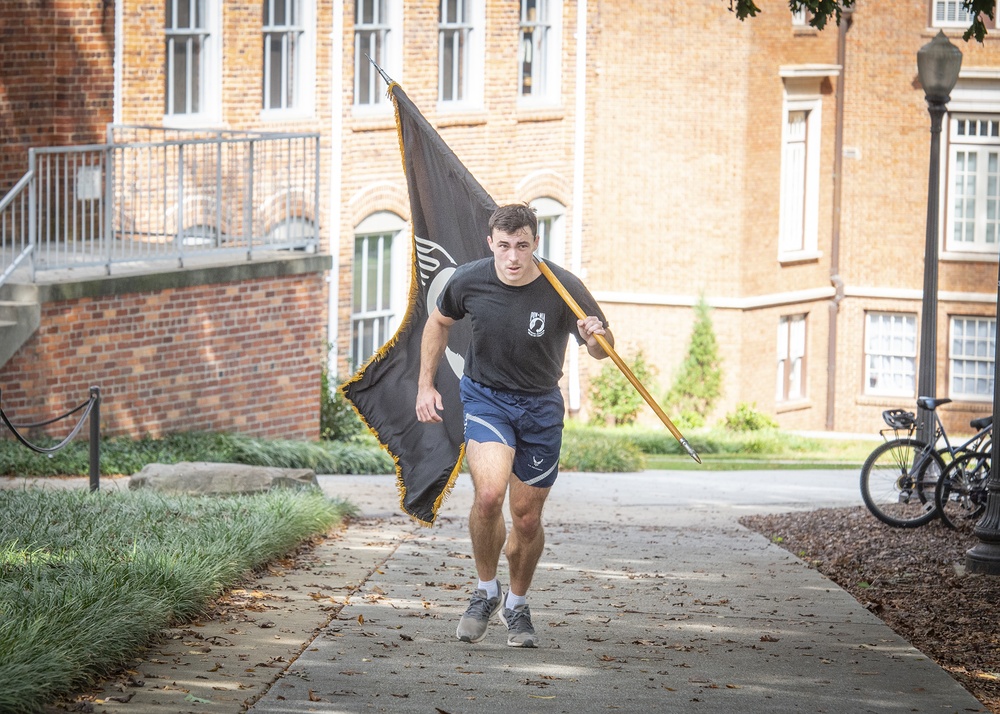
[(92, 410)]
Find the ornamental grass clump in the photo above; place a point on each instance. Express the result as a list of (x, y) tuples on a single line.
[(87, 579)]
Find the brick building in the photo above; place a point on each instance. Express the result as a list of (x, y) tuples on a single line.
[(776, 171)]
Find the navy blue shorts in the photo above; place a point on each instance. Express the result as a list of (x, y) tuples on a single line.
[(531, 424)]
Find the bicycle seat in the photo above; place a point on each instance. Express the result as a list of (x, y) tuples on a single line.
[(931, 403), (981, 422)]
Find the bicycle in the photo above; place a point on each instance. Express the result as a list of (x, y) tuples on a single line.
[(899, 478), (960, 495)]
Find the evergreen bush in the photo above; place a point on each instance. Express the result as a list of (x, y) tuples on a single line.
[(698, 383)]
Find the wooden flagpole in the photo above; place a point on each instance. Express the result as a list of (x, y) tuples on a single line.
[(606, 346)]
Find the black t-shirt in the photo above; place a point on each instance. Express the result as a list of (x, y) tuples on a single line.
[(519, 332)]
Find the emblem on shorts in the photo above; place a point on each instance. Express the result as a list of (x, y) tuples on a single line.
[(536, 325), (536, 462)]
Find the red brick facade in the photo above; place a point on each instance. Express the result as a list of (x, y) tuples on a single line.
[(239, 355), (676, 194), (56, 77)]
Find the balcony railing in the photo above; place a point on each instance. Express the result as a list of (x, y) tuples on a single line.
[(155, 194)]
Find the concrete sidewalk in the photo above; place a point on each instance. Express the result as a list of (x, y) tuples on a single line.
[(649, 597)]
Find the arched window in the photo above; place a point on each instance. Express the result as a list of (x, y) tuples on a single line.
[(380, 283), (551, 229)]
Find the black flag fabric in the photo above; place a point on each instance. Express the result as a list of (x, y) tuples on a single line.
[(449, 213)]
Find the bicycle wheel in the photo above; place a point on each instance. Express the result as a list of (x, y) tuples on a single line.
[(898, 481), (960, 494)]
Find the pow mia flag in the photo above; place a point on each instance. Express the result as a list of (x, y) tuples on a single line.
[(449, 214)]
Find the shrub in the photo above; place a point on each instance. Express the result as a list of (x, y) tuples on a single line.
[(337, 419), (698, 383), (612, 396), (603, 453), (747, 418)]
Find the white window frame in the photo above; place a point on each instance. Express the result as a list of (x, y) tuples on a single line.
[(890, 354), (470, 62), (972, 222), (393, 281), (799, 18), (950, 13), (798, 212), (544, 47), (298, 58), (970, 358), (791, 354), (388, 25), (206, 38), (551, 229)]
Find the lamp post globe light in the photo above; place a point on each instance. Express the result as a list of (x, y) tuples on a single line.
[(938, 63)]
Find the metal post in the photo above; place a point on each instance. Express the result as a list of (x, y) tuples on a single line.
[(927, 376), (32, 212), (985, 556), (248, 198), (95, 440)]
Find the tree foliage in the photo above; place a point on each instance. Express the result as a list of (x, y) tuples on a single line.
[(822, 11), (698, 383)]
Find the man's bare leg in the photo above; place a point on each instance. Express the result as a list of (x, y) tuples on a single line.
[(490, 464), (527, 536), (524, 549)]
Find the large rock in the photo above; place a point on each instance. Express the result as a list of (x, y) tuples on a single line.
[(200, 478)]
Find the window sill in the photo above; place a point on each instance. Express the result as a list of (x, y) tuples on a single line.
[(461, 117), (527, 113), (370, 121), (805, 256), (793, 406), (907, 401), (271, 116), (192, 121), (968, 256)]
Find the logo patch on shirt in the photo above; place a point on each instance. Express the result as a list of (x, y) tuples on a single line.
[(536, 325)]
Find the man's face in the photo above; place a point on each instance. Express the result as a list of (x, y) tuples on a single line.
[(512, 255)]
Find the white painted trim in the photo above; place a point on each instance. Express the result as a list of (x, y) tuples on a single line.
[(809, 70), (116, 112), (336, 180), (916, 295), (775, 299), (979, 73), (726, 303), (579, 179)]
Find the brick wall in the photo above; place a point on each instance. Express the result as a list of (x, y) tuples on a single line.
[(56, 77), (233, 356)]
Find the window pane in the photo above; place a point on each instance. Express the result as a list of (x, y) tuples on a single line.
[(370, 33), (890, 346), (973, 345)]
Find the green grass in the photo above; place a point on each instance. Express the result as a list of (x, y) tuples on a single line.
[(124, 456), (87, 579), (721, 449), (585, 448)]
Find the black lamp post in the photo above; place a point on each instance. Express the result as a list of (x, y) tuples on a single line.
[(985, 556), (938, 63)]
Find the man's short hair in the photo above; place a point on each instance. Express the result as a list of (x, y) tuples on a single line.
[(512, 217)]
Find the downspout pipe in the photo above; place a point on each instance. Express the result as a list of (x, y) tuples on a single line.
[(838, 181), (579, 166)]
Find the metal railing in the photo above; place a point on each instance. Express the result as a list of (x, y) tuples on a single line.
[(156, 194)]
